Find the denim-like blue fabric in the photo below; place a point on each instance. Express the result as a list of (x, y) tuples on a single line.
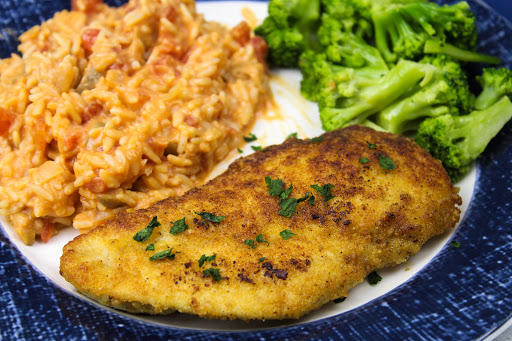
[(462, 294)]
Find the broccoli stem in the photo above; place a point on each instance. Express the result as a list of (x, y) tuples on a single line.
[(373, 125), (407, 114), (334, 118), (423, 12), (487, 97), (406, 75), (433, 46), (309, 13), (390, 28), (399, 34), (398, 81), (473, 132)]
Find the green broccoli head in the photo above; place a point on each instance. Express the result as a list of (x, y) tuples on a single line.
[(333, 86), (352, 16), (282, 12), (495, 84), (327, 83), (285, 45), (402, 29), (458, 140), (395, 37), (451, 72), (453, 24), (352, 95), (436, 136), (445, 92), (289, 29), (346, 48), (313, 66)]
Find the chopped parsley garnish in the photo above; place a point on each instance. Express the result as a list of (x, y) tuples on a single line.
[(288, 207), (286, 193), (205, 258), (373, 278), (250, 242), (371, 145), (364, 160), (146, 232), (386, 162), (250, 138), (324, 190), (143, 234), (311, 200), (215, 273), (275, 186), (256, 148), (211, 217), (178, 226), (286, 234), (151, 247), (240, 151), (163, 254), (339, 300), (316, 139), (154, 222), (304, 198), (455, 244), (261, 259), (259, 239), (294, 135)]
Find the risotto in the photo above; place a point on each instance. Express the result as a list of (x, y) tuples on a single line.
[(107, 109)]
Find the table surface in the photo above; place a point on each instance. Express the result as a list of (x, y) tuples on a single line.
[(504, 7)]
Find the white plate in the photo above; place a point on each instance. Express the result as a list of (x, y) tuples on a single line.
[(294, 114)]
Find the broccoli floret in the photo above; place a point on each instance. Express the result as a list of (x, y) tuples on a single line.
[(344, 33), (450, 23), (356, 96), (495, 84), (458, 140), (343, 46), (447, 92), (402, 30), (353, 16), (315, 70), (394, 36), (289, 29), (326, 83), (284, 45)]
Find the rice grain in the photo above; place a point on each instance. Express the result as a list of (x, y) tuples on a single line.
[(116, 108)]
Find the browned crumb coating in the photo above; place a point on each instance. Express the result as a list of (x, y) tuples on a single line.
[(378, 218)]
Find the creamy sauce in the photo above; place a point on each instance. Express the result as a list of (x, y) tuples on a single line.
[(283, 89)]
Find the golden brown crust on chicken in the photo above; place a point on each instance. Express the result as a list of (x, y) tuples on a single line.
[(378, 218)]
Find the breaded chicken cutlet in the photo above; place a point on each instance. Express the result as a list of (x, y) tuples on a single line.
[(243, 246)]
